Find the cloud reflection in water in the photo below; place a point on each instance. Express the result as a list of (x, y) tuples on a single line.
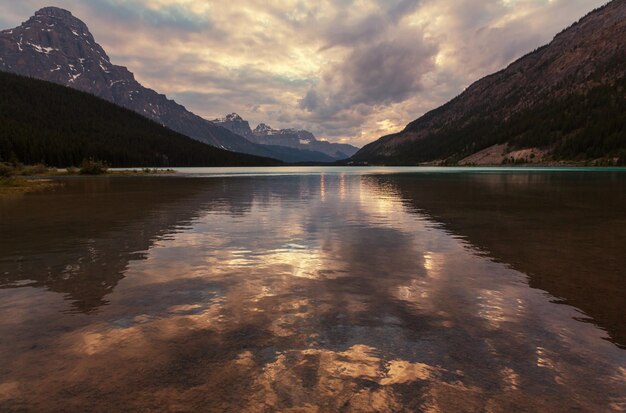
[(309, 293)]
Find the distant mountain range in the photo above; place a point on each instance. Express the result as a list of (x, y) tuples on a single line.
[(55, 46), (59, 126), (564, 101), (321, 151)]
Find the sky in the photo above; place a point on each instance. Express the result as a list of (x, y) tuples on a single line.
[(347, 70)]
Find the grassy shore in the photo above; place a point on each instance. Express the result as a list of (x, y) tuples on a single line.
[(51, 173), (17, 178), (18, 185)]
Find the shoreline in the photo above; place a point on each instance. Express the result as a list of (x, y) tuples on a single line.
[(21, 184)]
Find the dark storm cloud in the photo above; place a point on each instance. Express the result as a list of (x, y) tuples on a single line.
[(310, 101), (402, 8), (378, 74), (368, 28), (362, 31)]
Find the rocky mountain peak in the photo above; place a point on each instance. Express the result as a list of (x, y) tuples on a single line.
[(262, 128), (56, 12), (235, 123), (233, 117), (52, 37), (300, 140), (54, 16)]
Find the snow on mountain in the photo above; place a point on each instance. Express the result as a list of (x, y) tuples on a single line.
[(264, 134)]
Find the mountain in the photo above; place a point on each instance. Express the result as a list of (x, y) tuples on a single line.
[(236, 124), (55, 46), (291, 138), (59, 126), (564, 101)]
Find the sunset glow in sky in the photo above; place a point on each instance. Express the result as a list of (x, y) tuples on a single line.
[(347, 70)]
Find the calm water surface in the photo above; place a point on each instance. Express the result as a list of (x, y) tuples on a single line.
[(316, 289)]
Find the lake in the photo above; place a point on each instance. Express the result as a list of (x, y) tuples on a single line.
[(317, 289)]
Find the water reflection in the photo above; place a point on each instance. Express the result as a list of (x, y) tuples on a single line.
[(567, 232), (291, 293), (79, 242)]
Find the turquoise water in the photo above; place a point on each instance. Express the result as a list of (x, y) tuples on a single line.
[(382, 170)]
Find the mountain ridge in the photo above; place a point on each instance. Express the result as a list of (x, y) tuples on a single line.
[(41, 121), (544, 103), (265, 135)]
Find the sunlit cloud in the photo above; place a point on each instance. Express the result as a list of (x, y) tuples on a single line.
[(349, 70)]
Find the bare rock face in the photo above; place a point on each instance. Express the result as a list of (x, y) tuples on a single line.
[(54, 45), (589, 54), (302, 140), (234, 123)]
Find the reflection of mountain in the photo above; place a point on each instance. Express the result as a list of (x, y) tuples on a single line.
[(567, 232), (283, 293), (82, 241)]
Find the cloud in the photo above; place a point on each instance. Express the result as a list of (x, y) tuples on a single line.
[(374, 75), (163, 15), (349, 70)]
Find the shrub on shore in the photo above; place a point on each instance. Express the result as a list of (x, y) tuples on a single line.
[(37, 169), (6, 170), (13, 169), (93, 167)]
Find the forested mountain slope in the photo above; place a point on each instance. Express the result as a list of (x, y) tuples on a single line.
[(564, 101), (59, 126)]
